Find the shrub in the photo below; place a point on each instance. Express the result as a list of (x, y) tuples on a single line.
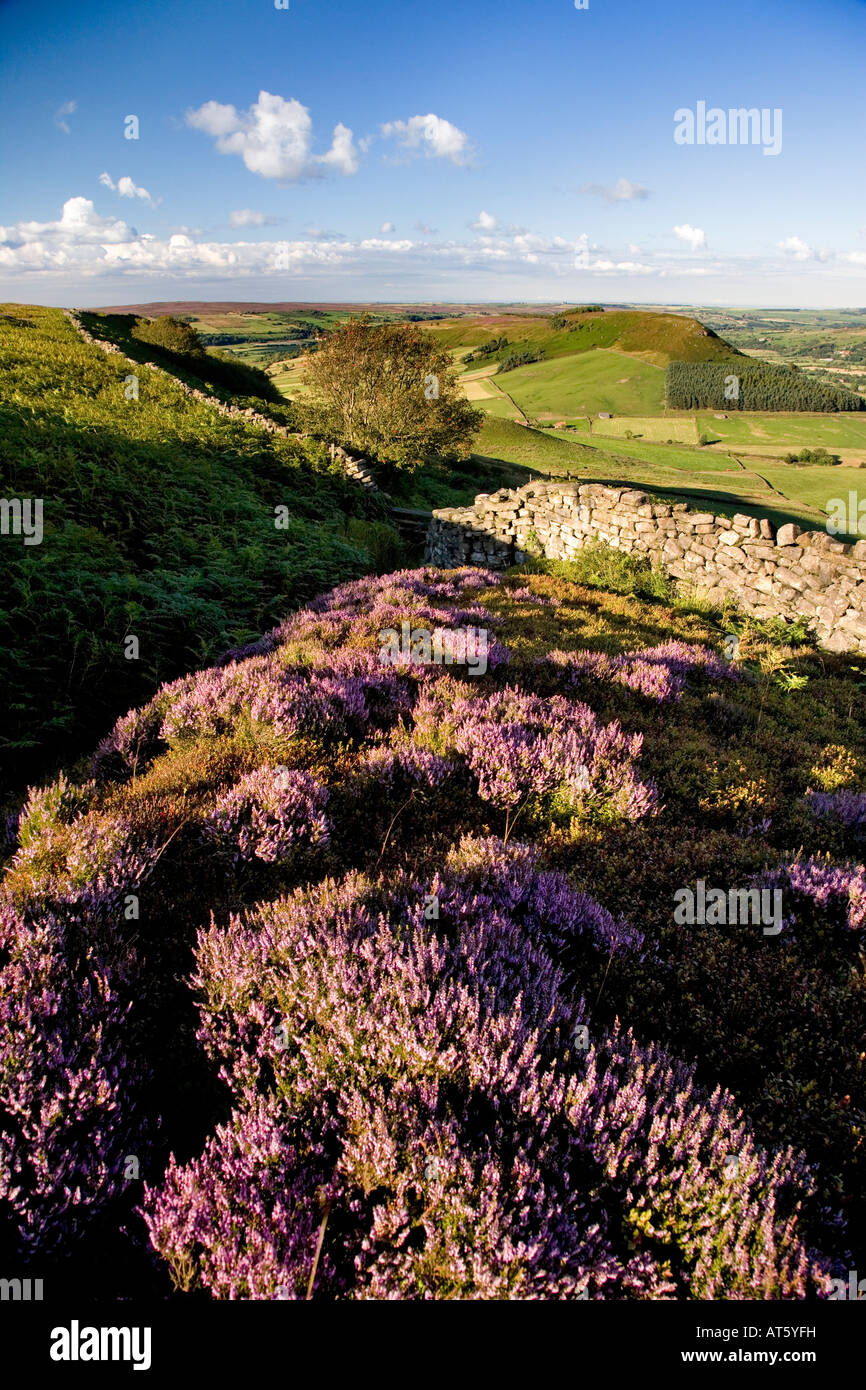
[(380, 1076)]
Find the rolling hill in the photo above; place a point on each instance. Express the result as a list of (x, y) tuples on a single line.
[(655, 338), (159, 524)]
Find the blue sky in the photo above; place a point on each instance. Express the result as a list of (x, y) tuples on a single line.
[(390, 150)]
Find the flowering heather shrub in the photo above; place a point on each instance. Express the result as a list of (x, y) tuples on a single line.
[(86, 867), (520, 745), (404, 1051), (271, 814), (837, 891), (47, 808), (330, 685), (421, 583), (845, 806), (354, 696), (487, 879), (258, 1248), (263, 647), (132, 743), (477, 579), (384, 764), (361, 609), (458, 647), (211, 701), (419, 1089), (67, 975), (659, 672), (66, 1117)]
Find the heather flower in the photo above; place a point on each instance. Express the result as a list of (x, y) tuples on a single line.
[(355, 695), (659, 672), (67, 1116), (526, 595), (211, 702), (415, 1088), (847, 807), (271, 814), (493, 881), (261, 1244), (835, 890), (88, 865), (385, 764), (520, 746), (263, 647)]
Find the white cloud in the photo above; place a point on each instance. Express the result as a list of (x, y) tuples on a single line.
[(440, 138), (127, 189), (67, 109), (800, 250), (694, 237), (425, 228), (246, 217), (274, 138), (386, 228), (623, 191), (82, 246), (604, 267), (342, 155), (377, 244), (486, 222), (80, 239)]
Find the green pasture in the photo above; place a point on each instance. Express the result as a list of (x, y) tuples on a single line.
[(586, 383)]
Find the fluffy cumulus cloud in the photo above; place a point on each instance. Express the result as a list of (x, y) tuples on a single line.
[(486, 222), (800, 250), (126, 188), (695, 237), (79, 239), (623, 191), (274, 138), (387, 228), (437, 137), (796, 247)]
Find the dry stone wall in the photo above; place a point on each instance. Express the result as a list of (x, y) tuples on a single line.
[(768, 572)]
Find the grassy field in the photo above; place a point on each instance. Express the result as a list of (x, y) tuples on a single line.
[(289, 380), (655, 429), (586, 383), (692, 460), (846, 430)]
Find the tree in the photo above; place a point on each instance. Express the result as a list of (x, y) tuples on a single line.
[(166, 332), (388, 391)]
